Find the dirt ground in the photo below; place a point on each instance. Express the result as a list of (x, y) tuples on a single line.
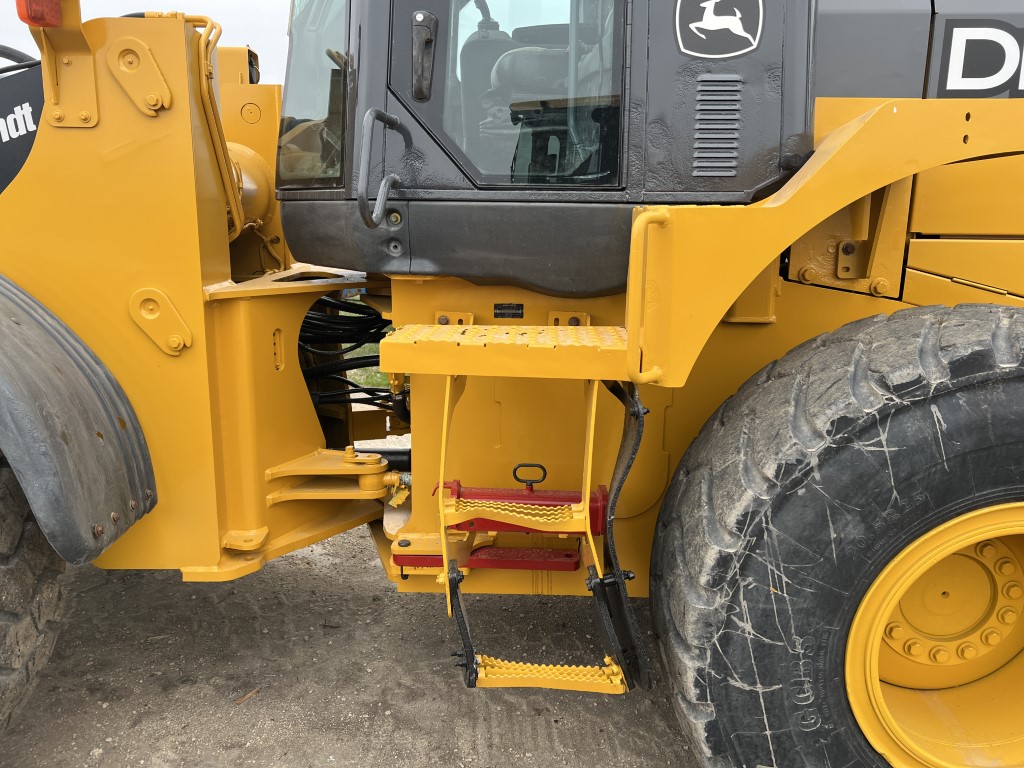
[(317, 661)]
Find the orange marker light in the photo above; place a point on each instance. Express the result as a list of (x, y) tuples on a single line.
[(40, 13)]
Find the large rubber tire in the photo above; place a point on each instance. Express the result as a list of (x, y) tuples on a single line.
[(796, 495), (32, 597)]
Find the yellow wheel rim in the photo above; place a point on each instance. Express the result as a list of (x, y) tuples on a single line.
[(934, 668)]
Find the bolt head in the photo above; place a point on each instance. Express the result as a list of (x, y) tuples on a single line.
[(57, 115), (1006, 567), (574, 321), (985, 550), (895, 631), (1008, 616), (880, 287), (443, 320), (807, 275), (395, 218), (1013, 591), (404, 543), (849, 248), (992, 637), (115, 517), (939, 655), (97, 531), (913, 648), (84, 116), (153, 100), (967, 652), (66, 61), (175, 342)]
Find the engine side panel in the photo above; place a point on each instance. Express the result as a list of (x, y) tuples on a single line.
[(977, 51), (872, 48)]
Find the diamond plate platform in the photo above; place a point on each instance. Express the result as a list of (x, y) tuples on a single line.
[(540, 352)]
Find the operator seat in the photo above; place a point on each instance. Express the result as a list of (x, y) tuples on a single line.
[(478, 56)]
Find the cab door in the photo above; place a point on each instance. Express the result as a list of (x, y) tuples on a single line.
[(510, 93)]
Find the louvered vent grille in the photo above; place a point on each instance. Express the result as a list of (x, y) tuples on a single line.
[(716, 146)]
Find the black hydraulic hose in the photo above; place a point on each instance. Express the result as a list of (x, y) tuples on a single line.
[(340, 366), (348, 306), (18, 67), (13, 54)]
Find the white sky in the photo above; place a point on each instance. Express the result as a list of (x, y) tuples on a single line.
[(260, 24)]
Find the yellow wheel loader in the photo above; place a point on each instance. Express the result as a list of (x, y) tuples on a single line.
[(713, 303)]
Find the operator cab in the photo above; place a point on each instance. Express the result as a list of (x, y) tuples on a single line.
[(491, 140)]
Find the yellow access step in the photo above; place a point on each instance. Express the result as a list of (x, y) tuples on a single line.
[(521, 351), (497, 673), (568, 518)]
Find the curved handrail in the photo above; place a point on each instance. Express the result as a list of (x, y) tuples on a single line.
[(374, 219)]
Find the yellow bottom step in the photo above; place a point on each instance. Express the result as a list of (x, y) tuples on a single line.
[(497, 673)]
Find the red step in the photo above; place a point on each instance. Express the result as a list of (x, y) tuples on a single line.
[(504, 558), (532, 497)]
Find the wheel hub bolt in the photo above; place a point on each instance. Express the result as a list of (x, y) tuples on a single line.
[(967, 652), (895, 631), (986, 549), (1013, 591), (992, 637), (939, 655), (1008, 616), (1006, 567), (913, 648)]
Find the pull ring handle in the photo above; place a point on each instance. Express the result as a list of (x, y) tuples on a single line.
[(391, 181), (529, 483)]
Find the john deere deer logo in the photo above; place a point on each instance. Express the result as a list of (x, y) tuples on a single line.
[(719, 29)]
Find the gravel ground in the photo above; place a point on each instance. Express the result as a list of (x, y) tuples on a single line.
[(317, 661)]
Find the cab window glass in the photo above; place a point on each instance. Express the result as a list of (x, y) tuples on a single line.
[(534, 90), (311, 145)]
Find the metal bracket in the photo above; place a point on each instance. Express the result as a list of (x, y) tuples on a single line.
[(470, 667), (133, 66), (69, 68), (153, 312), (615, 615)]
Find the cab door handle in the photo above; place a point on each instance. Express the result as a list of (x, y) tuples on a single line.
[(424, 38)]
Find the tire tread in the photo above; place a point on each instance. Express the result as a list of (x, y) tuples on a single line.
[(782, 416), (32, 597)]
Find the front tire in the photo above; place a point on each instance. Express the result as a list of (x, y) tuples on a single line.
[(32, 597), (789, 514)]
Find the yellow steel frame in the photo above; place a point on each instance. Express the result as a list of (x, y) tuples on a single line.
[(131, 228), (892, 141)]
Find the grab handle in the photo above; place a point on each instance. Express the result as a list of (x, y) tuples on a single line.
[(374, 219), (635, 295)]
